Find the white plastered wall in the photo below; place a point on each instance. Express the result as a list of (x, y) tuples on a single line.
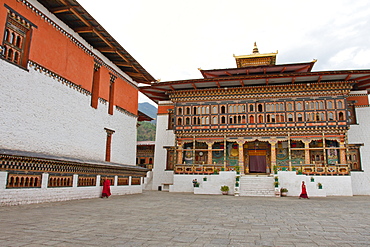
[(40, 114), (360, 134), (163, 138)]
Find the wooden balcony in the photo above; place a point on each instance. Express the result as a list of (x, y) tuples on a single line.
[(198, 169)]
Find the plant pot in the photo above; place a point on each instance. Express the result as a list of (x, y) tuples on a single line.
[(320, 187), (204, 179), (283, 193), (312, 180), (236, 184), (225, 192), (237, 179)]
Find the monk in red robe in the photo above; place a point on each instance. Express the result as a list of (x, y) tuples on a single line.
[(106, 188), (303, 192)]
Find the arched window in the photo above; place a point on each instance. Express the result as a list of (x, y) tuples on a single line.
[(251, 119), (187, 110), (331, 116), (230, 108), (194, 110), (299, 106), (203, 120), (12, 38), (282, 118), (223, 120), (268, 108), (207, 120), (340, 104), (251, 107), (260, 108), (341, 116), (282, 107), (179, 111), (18, 42), (207, 109), (194, 120), (290, 107), (260, 119), (273, 118), (330, 105), (322, 116), (214, 109), (6, 35), (317, 105), (16, 57), (214, 120), (223, 109), (243, 119), (321, 105), (10, 54), (179, 121), (299, 116), (230, 120), (290, 118), (187, 121), (268, 118)]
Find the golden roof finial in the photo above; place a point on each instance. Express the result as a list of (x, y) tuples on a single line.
[(255, 49)]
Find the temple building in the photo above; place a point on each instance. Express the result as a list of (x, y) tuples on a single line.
[(69, 108), (239, 126)]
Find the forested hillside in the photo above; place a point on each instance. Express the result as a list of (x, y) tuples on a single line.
[(146, 130)]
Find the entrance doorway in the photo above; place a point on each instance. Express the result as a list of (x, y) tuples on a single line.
[(257, 163), (257, 156)]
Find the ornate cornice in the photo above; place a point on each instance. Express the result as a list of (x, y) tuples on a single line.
[(260, 92)]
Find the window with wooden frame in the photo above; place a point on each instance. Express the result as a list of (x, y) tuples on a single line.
[(16, 39)]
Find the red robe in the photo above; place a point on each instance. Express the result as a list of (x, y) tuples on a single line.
[(106, 188), (304, 192)]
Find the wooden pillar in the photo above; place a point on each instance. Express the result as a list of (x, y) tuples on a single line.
[(241, 156), (225, 148), (273, 154), (342, 148), (209, 157), (306, 151), (290, 153), (179, 153)]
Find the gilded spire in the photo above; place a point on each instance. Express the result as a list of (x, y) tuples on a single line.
[(255, 49)]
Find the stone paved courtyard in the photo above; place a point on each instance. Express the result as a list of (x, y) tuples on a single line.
[(179, 219)]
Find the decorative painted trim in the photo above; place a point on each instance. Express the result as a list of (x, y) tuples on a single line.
[(361, 106), (57, 77), (120, 109), (263, 92)]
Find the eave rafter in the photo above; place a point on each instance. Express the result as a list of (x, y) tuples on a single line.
[(218, 84), (282, 71), (193, 84), (320, 77), (348, 77), (242, 83), (303, 68), (293, 80), (172, 88)]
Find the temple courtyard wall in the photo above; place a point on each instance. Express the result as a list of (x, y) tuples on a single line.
[(15, 196), (52, 116)]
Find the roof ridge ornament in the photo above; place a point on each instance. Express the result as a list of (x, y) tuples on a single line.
[(255, 49)]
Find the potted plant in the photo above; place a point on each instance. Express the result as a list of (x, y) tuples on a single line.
[(283, 191), (237, 178), (205, 179), (275, 169), (237, 184), (276, 178), (299, 172), (215, 171), (319, 185), (225, 189), (276, 183), (237, 169), (196, 185), (312, 179)]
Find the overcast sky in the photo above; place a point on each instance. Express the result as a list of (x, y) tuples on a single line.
[(171, 39)]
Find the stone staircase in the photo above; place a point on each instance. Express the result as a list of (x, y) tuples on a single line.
[(257, 185)]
